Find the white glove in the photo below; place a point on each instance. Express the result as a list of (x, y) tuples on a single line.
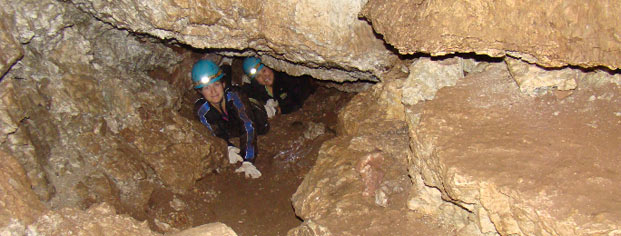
[(249, 170), (234, 156), (271, 111), (271, 107), (271, 102)]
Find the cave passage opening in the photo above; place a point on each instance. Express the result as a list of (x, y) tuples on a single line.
[(286, 153)]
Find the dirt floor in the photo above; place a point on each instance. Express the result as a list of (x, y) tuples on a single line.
[(257, 206)]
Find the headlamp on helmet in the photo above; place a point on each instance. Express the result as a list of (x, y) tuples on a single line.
[(205, 72), (252, 66)]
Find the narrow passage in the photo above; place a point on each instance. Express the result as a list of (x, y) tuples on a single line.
[(257, 206)]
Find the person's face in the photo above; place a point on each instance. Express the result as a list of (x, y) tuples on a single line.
[(265, 76), (213, 92)]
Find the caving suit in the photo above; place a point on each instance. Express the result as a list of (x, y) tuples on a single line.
[(241, 119), (290, 92)]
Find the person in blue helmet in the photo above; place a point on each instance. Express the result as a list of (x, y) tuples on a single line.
[(277, 91), (228, 113)]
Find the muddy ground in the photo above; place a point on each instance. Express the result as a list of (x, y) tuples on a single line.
[(257, 206)]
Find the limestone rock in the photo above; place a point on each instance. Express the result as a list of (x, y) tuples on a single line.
[(309, 228), (10, 50), (361, 178), (314, 130), (94, 126), (15, 138), (548, 33), (20, 204), (183, 154), (427, 76), (533, 80), (522, 165), (213, 229), (100, 219), (326, 37)]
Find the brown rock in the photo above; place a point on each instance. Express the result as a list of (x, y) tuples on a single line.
[(523, 165), (18, 102), (548, 33), (371, 173), (534, 80), (177, 152), (19, 203), (212, 229), (427, 76), (62, 115), (326, 38), (359, 184), (98, 188), (100, 219), (10, 49)]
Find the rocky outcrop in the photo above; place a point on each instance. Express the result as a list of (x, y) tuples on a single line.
[(86, 122), (359, 184), (548, 33), (518, 164), (487, 156), (324, 39)]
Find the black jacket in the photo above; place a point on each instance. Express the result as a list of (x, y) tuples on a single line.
[(290, 92), (242, 119)]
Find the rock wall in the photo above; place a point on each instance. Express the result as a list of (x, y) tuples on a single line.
[(81, 115), (521, 165), (548, 33), (486, 156)]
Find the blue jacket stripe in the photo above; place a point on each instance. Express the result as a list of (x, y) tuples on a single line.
[(241, 110), (201, 115)]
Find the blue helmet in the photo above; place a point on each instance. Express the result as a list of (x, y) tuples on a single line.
[(205, 72), (252, 66)]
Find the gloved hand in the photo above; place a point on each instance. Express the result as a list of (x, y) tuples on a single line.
[(271, 102), (249, 170), (234, 156), (271, 107), (271, 111)]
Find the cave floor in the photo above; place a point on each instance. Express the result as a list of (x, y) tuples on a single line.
[(257, 206)]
